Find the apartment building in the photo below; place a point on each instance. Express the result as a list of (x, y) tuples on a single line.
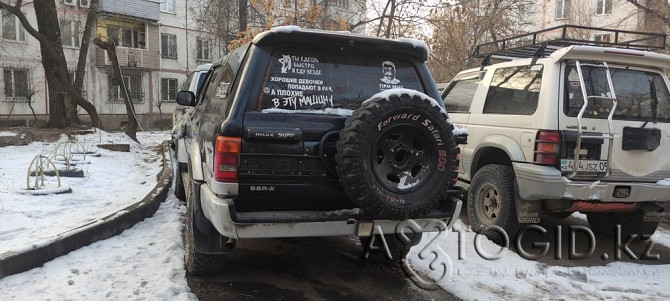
[(612, 14), (158, 43)]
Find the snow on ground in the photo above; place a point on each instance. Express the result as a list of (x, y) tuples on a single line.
[(145, 262), (514, 278), (27, 220)]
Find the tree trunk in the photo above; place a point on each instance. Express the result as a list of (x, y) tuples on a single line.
[(243, 14), (131, 130), (47, 22), (53, 60), (81, 63)]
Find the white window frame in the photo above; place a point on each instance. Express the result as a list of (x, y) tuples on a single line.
[(167, 6), (171, 52), (74, 36), (170, 81), (203, 49), (12, 78), (562, 6), (120, 30), (19, 31), (602, 5)]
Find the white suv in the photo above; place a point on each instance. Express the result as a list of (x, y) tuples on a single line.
[(527, 117)]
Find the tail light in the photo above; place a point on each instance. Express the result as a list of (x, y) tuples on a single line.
[(548, 147), (226, 157)]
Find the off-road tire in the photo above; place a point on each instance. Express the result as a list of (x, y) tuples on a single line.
[(406, 135), (197, 263), (492, 201), (631, 223)]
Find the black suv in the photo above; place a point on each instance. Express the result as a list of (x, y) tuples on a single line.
[(314, 133)]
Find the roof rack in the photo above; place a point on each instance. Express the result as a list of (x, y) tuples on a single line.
[(544, 42)]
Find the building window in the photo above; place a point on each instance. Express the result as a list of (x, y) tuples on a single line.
[(16, 85), (562, 9), (11, 27), (168, 45), (525, 13), (340, 3), (167, 6), (204, 49), (602, 38), (168, 89), (131, 37), (604, 7), (133, 81), (69, 31)]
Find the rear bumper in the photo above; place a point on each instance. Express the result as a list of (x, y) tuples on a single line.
[(220, 212), (537, 182)]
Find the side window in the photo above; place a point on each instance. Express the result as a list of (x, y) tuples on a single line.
[(187, 82), (514, 90), (459, 94), (219, 86)]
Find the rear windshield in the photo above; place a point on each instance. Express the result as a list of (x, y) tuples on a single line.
[(641, 95), (318, 81)]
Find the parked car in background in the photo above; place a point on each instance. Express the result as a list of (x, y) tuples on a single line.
[(193, 83), (557, 129)]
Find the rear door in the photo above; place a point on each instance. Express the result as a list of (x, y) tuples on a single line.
[(641, 147), (289, 134)]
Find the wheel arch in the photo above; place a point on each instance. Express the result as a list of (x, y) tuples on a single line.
[(496, 149)]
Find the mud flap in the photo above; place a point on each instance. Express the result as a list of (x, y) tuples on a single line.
[(528, 212), (206, 239)]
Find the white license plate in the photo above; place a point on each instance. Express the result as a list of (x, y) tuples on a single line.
[(584, 165)]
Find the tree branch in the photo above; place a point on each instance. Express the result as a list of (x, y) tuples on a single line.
[(651, 11)]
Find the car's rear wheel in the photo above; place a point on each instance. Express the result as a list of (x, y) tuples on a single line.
[(196, 263), (492, 201), (605, 223)]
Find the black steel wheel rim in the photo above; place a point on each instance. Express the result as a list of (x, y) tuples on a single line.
[(401, 158)]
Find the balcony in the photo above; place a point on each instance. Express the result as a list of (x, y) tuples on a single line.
[(143, 9)]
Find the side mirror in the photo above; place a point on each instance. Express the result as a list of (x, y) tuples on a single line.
[(186, 98)]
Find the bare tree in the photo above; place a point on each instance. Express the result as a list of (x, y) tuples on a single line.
[(458, 28), (53, 60), (110, 47)]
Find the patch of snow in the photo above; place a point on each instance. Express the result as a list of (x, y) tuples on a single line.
[(287, 28), (513, 278), (661, 236), (664, 182), (7, 134), (594, 184), (460, 131), (416, 43), (144, 262), (566, 180), (386, 94), (579, 215), (326, 111), (46, 191), (112, 183)]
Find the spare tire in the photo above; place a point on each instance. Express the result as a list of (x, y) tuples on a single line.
[(396, 155)]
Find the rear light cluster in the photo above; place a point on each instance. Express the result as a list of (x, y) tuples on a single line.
[(548, 147), (226, 158)]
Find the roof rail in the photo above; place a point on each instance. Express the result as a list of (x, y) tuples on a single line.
[(529, 45)]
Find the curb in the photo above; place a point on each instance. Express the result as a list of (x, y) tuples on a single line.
[(97, 230)]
